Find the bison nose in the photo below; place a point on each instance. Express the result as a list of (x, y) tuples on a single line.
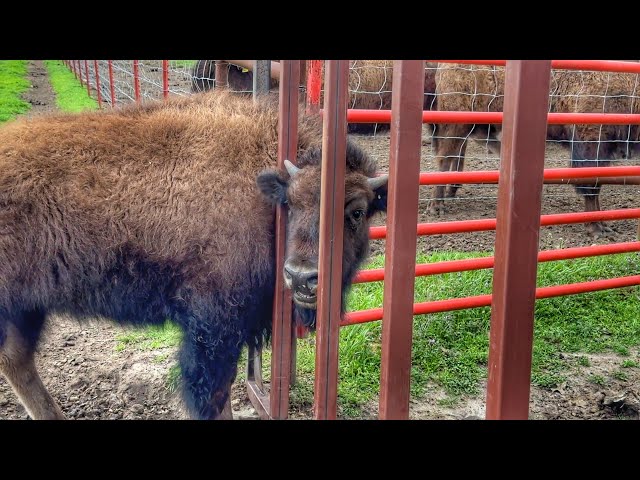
[(302, 280)]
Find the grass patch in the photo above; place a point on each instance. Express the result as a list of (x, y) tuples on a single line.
[(584, 361), (150, 338), (182, 63), (71, 96), (622, 376), (597, 379), (13, 83), (630, 364), (450, 349)]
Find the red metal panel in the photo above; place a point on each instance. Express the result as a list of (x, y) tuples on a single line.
[(331, 238), (282, 325), (400, 253), (461, 226), (384, 116), (97, 70), (448, 305), (314, 85), (593, 65), (526, 104), (423, 269)]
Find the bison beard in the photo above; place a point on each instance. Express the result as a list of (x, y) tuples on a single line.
[(152, 212)]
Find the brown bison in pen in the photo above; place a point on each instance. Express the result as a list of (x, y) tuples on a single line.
[(163, 211), (481, 88), (370, 83)]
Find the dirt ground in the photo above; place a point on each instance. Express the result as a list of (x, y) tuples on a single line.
[(91, 380)]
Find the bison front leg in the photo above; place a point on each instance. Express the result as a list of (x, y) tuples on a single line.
[(592, 204), (209, 362), (449, 143), (18, 366)]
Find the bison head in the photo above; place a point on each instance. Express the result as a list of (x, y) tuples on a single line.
[(299, 190)]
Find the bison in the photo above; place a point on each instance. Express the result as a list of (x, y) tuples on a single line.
[(481, 88), (164, 211), (370, 83)]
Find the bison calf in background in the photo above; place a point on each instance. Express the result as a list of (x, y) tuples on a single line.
[(164, 210), (481, 89)]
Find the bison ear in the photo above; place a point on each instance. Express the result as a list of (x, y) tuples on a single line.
[(273, 186), (379, 187)]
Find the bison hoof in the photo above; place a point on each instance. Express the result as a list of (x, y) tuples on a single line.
[(436, 207), (599, 229), (452, 190)]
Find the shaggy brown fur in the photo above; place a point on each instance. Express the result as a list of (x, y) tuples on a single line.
[(481, 88), (142, 214)]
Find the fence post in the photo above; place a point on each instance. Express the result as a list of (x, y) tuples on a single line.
[(314, 85), (79, 73), (526, 105), (97, 70), (334, 138), (400, 251), (165, 79), (86, 71), (112, 89), (282, 325), (222, 74), (136, 81), (261, 77)]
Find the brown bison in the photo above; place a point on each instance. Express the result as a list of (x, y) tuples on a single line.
[(481, 88), (370, 83), (164, 211)]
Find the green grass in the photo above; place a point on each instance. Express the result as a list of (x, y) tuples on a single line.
[(13, 83), (597, 379), (450, 349), (182, 63), (71, 96), (630, 364), (151, 338)]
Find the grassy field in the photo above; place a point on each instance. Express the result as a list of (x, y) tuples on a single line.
[(70, 95), (12, 83)]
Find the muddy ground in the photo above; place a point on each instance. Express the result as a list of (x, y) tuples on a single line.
[(90, 379)]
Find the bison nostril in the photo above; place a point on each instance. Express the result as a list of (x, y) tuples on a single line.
[(312, 283)]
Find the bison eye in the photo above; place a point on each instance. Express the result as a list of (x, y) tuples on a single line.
[(357, 214)]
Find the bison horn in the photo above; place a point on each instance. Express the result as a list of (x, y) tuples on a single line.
[(291, 168), (377, 182)]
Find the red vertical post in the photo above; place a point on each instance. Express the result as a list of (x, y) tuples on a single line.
[(222, 74), (526, 104), (112, 89), (97, 70), (79, 72), (165, 79), (334, 142), (400, 252), (136, 81), (86, 72), (282, 327), (314, 85)]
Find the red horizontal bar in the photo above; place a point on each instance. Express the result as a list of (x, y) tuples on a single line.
[(492, 176), (355, 115), (439, 228), (377, 274), (593, 65), (424, 308)]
